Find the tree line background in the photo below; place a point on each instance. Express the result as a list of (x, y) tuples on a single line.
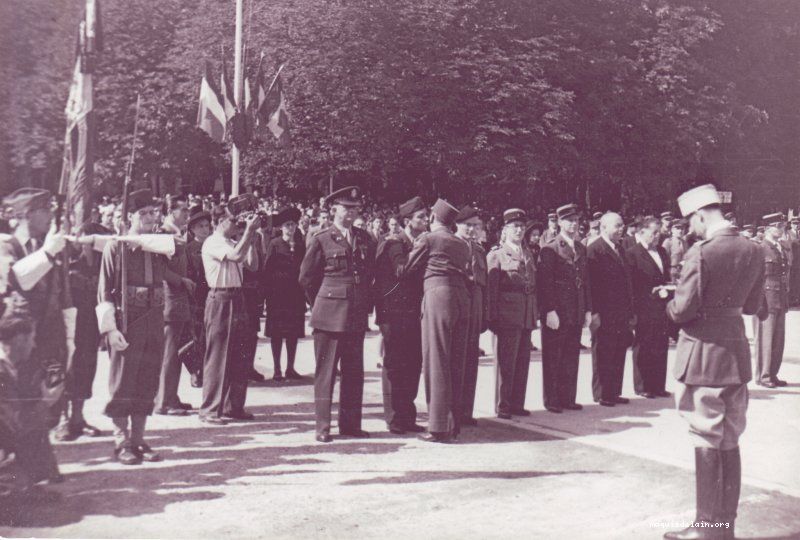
[(614, 104)]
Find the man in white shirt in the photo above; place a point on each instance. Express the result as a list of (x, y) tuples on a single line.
[(224, 369)]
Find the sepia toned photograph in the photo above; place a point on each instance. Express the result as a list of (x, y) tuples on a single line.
[(370, 269)]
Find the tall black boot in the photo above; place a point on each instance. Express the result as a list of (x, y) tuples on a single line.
[(708, 479), (731, 486)]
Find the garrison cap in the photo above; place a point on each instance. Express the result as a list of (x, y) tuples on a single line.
[(696, 198), (773, 219), (444, 211), (467, 212), (567, 211), (24, 200), (408, 208), (349, 196), (140, 199), (514, 214)]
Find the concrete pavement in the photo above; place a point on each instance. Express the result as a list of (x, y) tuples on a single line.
[(600, 473)]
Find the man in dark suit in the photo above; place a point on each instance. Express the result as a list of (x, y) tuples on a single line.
[(612, 311), (649, 268), (771, 332), (397, 314), (565, 306), (722, 278), (442, 261), (336, 274)]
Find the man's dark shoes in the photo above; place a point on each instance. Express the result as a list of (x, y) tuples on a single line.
[(146, 453), (504, 415), (278, 376), (292, 374), (469, 422), (414, 428), (663, 393), (606, 403), (768, 384), (171, 411), (255, 376), (90, 431), (239, 415), (779, 382), (213, 420), (554, 409), (441, 438), (354, 433), (67, 432), (621, 400), (520, 412), (184, 406), (324, 437), (397, 430), (574, 407), (126, 455), (648, 395)]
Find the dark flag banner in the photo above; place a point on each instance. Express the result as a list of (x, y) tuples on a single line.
[(271, 110)]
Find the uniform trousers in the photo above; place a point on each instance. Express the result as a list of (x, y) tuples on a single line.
[(560, 352), (512, 350), (770, 340), (402, 368), (609, 348), (473, 354), (82, 364), (134, 373), (445, 322), (224, 372), (347, 350), (717, 415), (171, 366), (650, 350)]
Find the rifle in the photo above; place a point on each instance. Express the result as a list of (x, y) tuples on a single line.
[(123, 250)]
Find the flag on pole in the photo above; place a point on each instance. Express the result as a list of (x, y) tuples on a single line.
[(211, 116), (228, 101), (271, 109)]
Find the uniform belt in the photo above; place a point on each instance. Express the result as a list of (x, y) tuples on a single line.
[(716, 312), (144, 297), (224, 289)]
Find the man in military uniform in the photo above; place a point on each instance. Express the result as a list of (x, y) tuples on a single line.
[(722, 277), (135, 351), (771, 332), (467, 223), (552, 229), (666, 223), (397, 314), (675, 248), (336, 274), (39, 354), (442, 261), (511, 299), (565, 306)]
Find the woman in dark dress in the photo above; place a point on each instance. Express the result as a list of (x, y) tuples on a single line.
[(286, 303)]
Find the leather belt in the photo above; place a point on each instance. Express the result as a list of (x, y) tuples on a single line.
[(144, 297), (718, 312)]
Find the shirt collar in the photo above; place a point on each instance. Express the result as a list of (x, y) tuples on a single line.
[(716, 227), (344, 230), (646, 247), (609, 242), (22, 235)]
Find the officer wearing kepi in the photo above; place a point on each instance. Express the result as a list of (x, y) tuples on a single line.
[(511, 298), (336, 275), (397, 314), (722, 277), (565, 305), (771, 332)]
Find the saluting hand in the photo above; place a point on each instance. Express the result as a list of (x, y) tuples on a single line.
[(117, 341), (552, 320)]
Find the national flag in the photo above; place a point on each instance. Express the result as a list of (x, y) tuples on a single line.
[(275, 103), (211, 116), (228, 101), (77, 171)]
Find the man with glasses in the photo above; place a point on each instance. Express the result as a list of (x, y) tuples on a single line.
[(336, 274)]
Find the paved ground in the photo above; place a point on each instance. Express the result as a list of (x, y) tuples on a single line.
[(600, 473)]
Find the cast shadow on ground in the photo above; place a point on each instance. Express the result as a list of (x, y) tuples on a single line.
[(414, 477)]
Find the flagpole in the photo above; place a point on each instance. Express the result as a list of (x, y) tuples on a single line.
[(237, 92)]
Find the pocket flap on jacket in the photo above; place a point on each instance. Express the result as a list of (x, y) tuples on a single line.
[(333, 292)]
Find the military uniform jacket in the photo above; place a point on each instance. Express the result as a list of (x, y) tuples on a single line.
[(676, 249), (776, 277), (395, 296), (480, 279), (337, 280), (563, 282), (511, 289), (439, 254), (721, 278)]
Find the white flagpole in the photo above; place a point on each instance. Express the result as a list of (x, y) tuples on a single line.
[(237, 93)]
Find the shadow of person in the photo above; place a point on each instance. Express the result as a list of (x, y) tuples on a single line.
[(414, 477)]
